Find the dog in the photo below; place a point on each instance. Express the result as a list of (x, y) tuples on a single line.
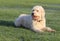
[(36, 21)]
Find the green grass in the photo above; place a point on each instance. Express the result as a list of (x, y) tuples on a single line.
[(11, 9)]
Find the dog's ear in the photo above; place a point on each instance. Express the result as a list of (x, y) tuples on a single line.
[(42, 13)]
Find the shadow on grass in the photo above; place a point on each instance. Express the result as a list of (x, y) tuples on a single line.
[(9, 23), (6, 23)]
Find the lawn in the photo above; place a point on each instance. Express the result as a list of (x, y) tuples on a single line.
[(11, 9)]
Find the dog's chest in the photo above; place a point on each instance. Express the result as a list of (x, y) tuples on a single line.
[(37, 24)]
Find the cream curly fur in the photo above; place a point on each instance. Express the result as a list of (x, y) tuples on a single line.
[(37, 24)]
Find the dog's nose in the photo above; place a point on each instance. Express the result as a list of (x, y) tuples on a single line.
[(32, 13)]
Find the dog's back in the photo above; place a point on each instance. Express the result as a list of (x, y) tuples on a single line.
[(24, 20)]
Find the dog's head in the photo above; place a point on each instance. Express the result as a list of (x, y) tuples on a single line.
[(38, 13)]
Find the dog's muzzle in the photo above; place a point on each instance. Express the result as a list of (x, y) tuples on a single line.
[(32, 14), (35, 17)]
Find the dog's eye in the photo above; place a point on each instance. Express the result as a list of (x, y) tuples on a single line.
[(33, 10), (37, 10)]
